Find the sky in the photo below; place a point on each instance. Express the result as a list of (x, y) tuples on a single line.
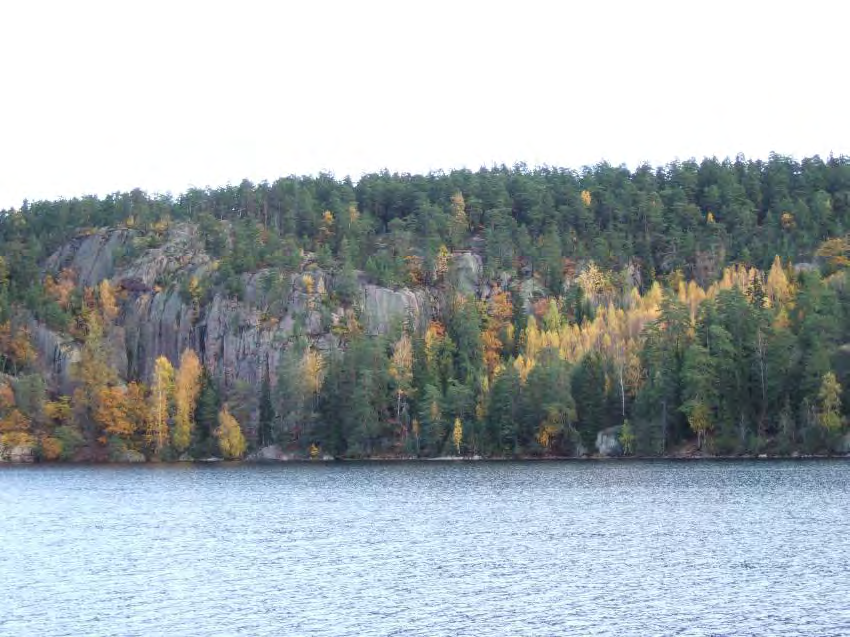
[(97, 97)]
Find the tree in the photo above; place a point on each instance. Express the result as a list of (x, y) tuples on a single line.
[(312, 366), (836, 252), (589, 385), (730, 356), (162, 392), (502, 411), (58, 412), (627, 438), (231, 442), (547, 413), (699, 418), (778, 286), (187, 387), (459, 220), (206, 409), (700, 381), (829, 402), (354, 403), (136, 406), (30, 396), (94, 373), (457, 435), (293, 401), (108, 306), (266, 409), (401, 369), (111, 413), (464, 328), (345, 283), (499, 332), (551, 261), (432, 425), (667, 340)]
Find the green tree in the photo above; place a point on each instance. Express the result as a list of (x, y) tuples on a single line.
[(266, 409), (829, 402), (502, 412), (206, 413)]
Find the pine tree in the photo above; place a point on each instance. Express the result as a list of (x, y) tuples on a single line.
[(266, 409), (207, 408)]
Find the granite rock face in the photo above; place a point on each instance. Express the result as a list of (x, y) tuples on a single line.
[(59, 352), (91, 256), (234, 339), (466, 272)]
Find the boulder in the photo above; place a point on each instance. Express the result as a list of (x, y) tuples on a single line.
[(844, 444), (19, 454), (272, 452), (608, 442), (131, 456)]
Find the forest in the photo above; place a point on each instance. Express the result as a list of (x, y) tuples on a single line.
[(696, 308)]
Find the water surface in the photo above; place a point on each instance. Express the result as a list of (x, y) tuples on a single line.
[(431, 549)]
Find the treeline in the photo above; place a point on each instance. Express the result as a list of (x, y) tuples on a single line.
[(661, 305), (688, 216)]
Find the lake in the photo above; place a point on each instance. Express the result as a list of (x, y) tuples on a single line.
[(428, 548)]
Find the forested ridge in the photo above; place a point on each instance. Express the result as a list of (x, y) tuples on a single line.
[(699, 307)]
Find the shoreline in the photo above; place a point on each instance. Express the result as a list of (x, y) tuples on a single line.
[(443, 459)]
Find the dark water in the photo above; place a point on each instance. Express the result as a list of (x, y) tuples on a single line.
[(613, 548)]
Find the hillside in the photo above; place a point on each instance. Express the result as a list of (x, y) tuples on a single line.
[(497, 313)]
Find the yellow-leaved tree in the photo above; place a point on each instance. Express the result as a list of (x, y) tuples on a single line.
[(187, 386), (836, 252), (312, 367), (309, 283), (457, 435), (699, 418), (401, 369), (162, 390), (459, 220), (231, 442), (94, 374), (14, 425), (108, 305), (778, 286)]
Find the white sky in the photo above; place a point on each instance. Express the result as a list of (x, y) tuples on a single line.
[(104, 96)]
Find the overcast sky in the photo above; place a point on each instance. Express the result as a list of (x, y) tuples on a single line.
[(105, 96)]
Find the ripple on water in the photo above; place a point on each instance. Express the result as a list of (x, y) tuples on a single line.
[(615, 548)]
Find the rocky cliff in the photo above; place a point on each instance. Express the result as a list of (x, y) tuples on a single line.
[(235, 339)]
